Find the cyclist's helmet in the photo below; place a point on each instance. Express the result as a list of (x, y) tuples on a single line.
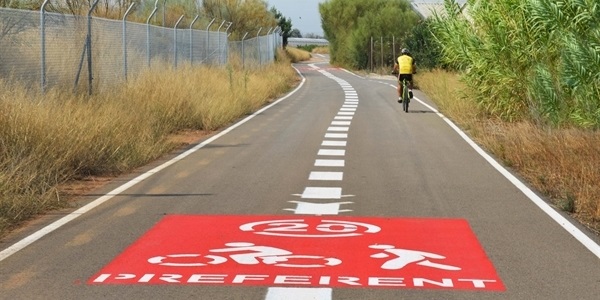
[(405, 51)]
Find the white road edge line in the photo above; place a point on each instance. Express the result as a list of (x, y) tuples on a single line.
[(585, 240), (66, 219), (558, 218)]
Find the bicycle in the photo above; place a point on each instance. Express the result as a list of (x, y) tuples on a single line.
[(405, 96)]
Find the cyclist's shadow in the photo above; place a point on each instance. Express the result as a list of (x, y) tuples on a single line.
[(420, 111)]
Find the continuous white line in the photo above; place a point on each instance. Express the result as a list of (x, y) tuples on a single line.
[(66, 219), (586, 241), (558, 218)]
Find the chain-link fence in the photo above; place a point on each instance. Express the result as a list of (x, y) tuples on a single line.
[(46, 50)]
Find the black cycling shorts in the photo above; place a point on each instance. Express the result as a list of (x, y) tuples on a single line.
[(405, 76)]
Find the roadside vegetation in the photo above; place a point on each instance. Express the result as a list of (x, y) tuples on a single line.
[(560, 163), (297, 54), (50, 140), (321, 50), (522, 77), (524, 82), (349, 25), (63, 137)]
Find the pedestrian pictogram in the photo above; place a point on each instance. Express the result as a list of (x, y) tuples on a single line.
[(318, 251), (404, 257)]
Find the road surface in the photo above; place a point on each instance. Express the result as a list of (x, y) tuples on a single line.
[(331, 192)]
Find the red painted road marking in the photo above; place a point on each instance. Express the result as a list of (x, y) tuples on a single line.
[(308, 68), (306, 251)]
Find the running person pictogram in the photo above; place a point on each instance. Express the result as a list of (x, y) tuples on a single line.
[(405, 257)]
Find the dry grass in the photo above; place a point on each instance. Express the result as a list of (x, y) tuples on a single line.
[(61, 137), (321, 50), (562, 164), (297, 54)]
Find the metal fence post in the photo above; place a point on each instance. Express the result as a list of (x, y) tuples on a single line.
[(43, 41), (226, 47), (208, 40), (125, 39), (259, 52), (192, 40), (89, 46), (219, 40), (148, 32), (268, 36), (175, 41), (277, 33), (243, 56)]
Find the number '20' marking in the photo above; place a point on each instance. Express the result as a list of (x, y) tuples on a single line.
[(298, 228)]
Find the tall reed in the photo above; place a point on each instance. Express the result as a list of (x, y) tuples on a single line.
[(528, 59)]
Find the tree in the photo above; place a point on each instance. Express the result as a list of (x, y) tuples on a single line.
[(423, 45), (284, 23), (295, 33), (245, 15), (349, 25)]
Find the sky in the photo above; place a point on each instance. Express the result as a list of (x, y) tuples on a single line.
[(305, 13)]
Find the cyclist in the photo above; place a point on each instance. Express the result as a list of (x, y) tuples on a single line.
[(405, 65)]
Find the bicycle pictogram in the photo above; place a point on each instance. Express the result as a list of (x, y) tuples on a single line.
[(245, 253)]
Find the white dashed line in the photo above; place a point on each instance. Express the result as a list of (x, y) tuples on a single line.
[(334, 143), (338, 129), (322, 193), (280, 293), (331, 152), (329, 163), (331, 176), (336, 135), (307, 208)]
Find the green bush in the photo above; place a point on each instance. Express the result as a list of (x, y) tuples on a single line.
[(527, 59)]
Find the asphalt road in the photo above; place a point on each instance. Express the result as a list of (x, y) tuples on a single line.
[(332, 192)]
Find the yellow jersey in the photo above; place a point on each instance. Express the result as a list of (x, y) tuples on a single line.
[(405, 64)]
